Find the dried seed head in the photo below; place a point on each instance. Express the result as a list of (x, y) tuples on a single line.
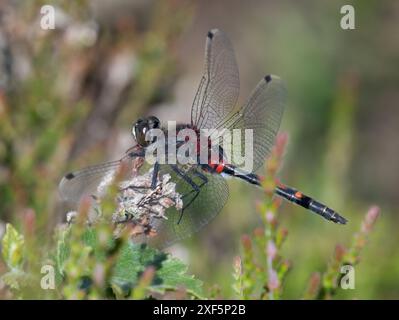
[(144, 207), (138, 205)]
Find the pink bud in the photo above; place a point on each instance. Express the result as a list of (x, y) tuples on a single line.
[(273, 282), (271, 250)]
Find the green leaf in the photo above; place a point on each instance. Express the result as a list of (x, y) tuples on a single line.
[(90, 237), (173, 275), (13, 247), (170, 273), (131, 261), (63, 250), (14, 279)]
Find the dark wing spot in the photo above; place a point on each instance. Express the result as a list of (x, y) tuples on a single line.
[(69, 176), (268, 78), (210, 34)]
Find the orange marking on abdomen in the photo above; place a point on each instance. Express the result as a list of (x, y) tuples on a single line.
[(298, 195), (280, 185)]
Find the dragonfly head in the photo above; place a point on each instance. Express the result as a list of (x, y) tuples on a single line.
[(142, 126)]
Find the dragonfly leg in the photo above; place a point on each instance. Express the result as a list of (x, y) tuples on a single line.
[(136, 188), (202, 177), (195, 187), (154, 179), (197, 191), (140, 153), (155, 176)]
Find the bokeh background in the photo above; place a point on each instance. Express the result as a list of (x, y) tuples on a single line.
[(68, 98)]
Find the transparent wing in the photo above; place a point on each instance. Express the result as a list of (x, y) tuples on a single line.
[(89, 181), (219, 87), (206, 205), (201, 208), (262, 113)]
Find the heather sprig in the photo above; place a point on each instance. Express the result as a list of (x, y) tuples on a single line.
[(263, 268), (326, 286)]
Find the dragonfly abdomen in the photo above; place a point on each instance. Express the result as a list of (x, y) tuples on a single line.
[(285, 192), (307, 202), (232, 170)]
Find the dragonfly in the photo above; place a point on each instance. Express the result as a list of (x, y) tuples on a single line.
[(203, 185)]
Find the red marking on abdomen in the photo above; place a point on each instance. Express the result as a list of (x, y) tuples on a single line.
[(218, 167)]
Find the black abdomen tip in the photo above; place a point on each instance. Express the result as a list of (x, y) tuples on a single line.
[(268, 78), (340, 219), (210, 34), (69, 176)]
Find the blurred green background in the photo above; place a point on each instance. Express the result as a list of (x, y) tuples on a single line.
[(69, 96)]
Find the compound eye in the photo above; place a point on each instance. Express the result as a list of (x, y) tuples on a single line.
[(137, 128), (153, 122)]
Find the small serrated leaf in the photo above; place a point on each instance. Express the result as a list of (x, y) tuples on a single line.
[(128, 265), (16, 279), (11, 279), (62, 252), (170, 273), (13, 245), (174, 276)]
